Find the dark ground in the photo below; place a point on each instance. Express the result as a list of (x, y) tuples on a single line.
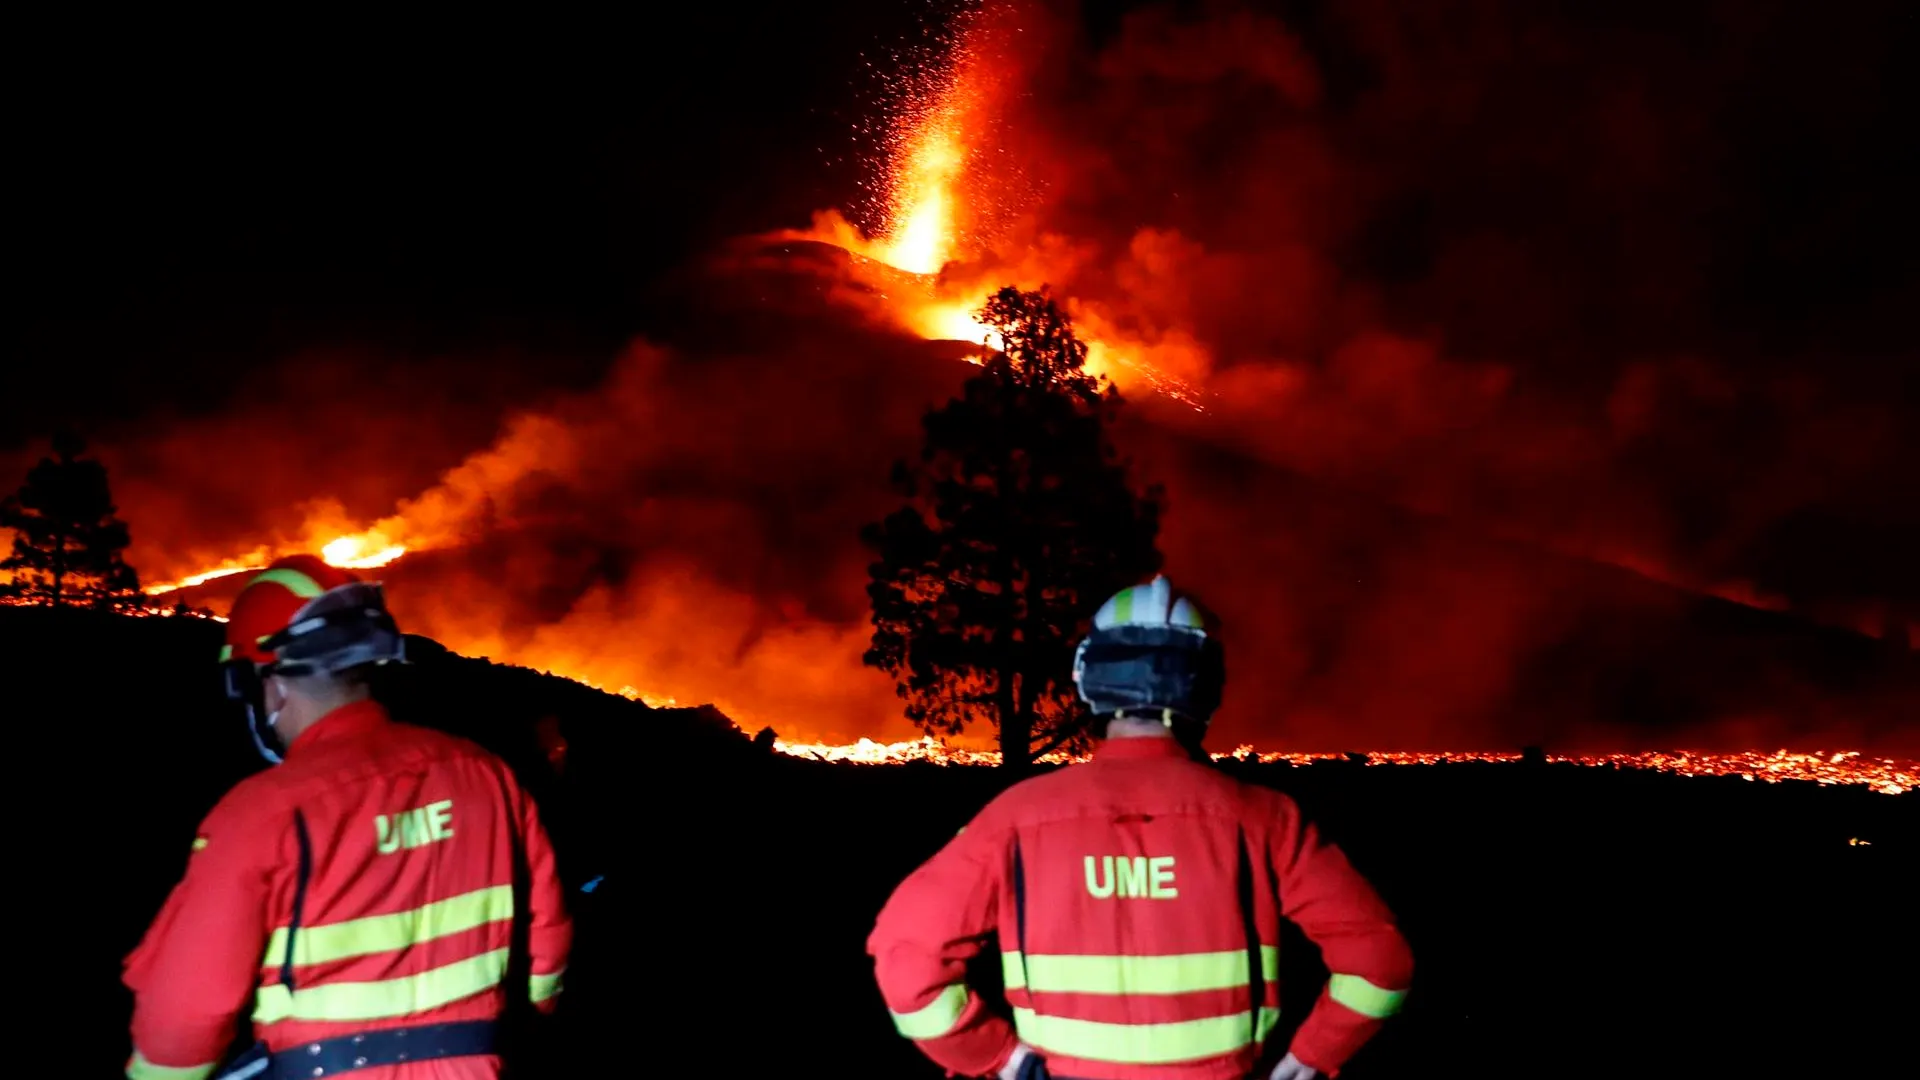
[(1566, 921)]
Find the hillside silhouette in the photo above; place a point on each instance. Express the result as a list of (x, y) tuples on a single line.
[(1698, 926)]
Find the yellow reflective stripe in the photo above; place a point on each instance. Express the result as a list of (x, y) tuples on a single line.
[(409, 994), (139, 1068), (1363, 997), (937, 1018), (1177, 973), (1142, 1044), (297, 583), (324, 942), (542, 987)]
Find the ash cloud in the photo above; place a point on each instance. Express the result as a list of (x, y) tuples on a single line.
[(695, 535), (1528, 275), (311, 443)]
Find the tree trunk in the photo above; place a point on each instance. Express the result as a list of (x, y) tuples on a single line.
[(1023, 708), (1016, 727), (59, 565)]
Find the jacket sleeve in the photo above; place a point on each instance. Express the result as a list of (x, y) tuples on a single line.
[(194, 974), (1369, 961), (939, 918), (549, 926)]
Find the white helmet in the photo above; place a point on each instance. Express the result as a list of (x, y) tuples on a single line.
[(1150, 654)]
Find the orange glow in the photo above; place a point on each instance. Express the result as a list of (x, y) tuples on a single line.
[(916, 262), (923, 237), (650, 700), (933, 257), (353, 552), (442, 516)]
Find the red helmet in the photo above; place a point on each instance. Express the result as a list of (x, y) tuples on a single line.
[(269, 602), (300, 616)]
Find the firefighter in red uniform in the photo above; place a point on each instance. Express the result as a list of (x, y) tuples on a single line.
[(359, 900), (1137, 898)]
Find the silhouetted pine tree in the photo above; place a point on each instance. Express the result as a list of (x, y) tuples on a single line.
[(67, 541), (1020, 522)]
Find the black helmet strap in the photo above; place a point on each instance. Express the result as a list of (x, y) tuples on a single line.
[(244, 685)]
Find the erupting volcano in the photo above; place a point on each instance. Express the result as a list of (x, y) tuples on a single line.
[(944, 207), (1409, 537), (931, 263)]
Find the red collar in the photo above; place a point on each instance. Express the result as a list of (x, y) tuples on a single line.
[(1139, 746), (349, 719)]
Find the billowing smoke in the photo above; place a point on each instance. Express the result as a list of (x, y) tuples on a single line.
[(689, 530), (1513, 343)]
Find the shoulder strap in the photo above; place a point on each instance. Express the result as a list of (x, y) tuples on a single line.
[(299, 896), (1256, 964), (1020, 911)]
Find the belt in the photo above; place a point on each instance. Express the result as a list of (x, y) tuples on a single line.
[(349, 1053)]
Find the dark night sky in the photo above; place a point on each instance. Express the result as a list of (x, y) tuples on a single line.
[(185, 207)]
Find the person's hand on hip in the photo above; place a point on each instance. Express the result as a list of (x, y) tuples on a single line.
[(1292, 1068), (1023, 1065)]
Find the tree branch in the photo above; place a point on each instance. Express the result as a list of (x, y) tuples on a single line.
[(1064, 733)]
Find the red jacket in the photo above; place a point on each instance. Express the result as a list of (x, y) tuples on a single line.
[(1137, 902), (417, 839)]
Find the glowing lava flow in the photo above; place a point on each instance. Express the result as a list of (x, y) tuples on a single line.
[(919, 200), (923, 239), (361, 552), (652, 701), (1889, 776), (357, 551)]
